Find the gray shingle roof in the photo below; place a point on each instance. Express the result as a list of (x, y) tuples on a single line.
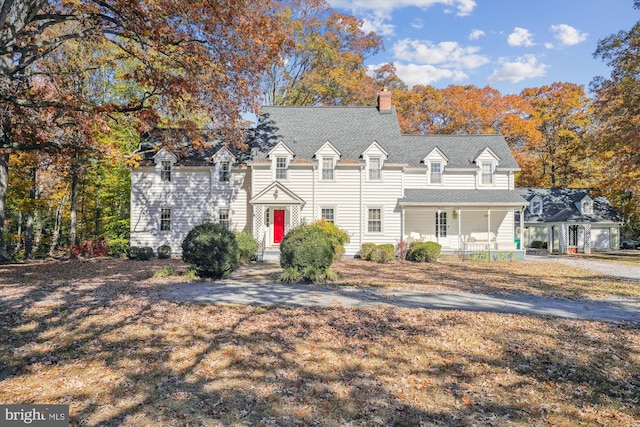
[(353, 129), (462, 197), (559, 205)]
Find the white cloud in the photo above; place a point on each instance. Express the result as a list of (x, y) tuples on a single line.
[(520, 37), (417, 24), (414, 74), (447, 54), (525, 67), (378, 25), (549, 45), (476, 34), (567, 35)]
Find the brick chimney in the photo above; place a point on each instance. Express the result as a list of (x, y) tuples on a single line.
[(384, 101)]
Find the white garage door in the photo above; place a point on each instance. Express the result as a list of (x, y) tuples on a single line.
[(600, 238)]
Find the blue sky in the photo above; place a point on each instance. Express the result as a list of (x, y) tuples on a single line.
[(506, 44)]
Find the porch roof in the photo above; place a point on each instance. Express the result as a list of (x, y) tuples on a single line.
[(461, 198)]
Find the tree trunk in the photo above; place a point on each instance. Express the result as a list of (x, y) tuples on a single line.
[(73, 239), (55, 238), (28, 245), (4, 181)]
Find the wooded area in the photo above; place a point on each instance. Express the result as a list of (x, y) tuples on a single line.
[(81, 80)]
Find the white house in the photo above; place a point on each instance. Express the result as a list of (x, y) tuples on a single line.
[(569, 220), (349, 165)]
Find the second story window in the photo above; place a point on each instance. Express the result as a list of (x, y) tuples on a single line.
[(375, 168), (435, 176), (327, 168), (487, 173), (536, 207), (587, 207), (281, 168), (225, 171), (165, 172)]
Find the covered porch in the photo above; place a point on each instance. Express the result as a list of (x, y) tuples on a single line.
[(466, 222)]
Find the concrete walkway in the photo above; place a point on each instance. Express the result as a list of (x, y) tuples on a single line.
[(254, 284)]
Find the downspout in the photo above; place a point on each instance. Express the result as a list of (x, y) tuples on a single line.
[(361, 210), (459, 213), (522, 246), (313, 191)]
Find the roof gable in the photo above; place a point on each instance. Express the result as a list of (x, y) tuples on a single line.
[(435, 155), (559, 205), (375, 149), (487, 154), (327, 149), (164, 154), (277, 194), (281, 148), (223, 154)]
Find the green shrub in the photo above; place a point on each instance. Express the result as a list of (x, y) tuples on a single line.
[(212, 250), (384, 253), (424, 251), (166, 271), (367, 251), (538, 244), (338, 236), (247, 245), (290, 275), (307, 246), (164, 252), (190, 274), (118, 248), (145, 253)]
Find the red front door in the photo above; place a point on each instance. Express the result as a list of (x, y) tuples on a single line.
[(278, 226)]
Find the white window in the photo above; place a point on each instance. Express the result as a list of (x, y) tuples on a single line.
[(327, 168), (435, 177), (328, 214), (587, 207), (165, 219), (281, 168), (165, 172), (225, 171), (375, 168), (441, 224), (487, 173), (223, 217), (374, 220), (536, 207)]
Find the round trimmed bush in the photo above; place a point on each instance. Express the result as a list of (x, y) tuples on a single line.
[(367, 251), (305, 247), (338, 236), (384, 253), (212, 250), (164, 252), (424, 251)]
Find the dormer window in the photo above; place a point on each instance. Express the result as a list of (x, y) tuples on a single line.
[(536, 206), (327, 168), (435, 173), (281, 168), (165, 172), (487, 173), (225, 171), (587, 207), (375, 169)]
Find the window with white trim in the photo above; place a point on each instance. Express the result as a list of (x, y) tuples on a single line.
[(441, 224), (374, 220), (165, 219), (165, 172), (327, 168), (223, 217), (281, 168), (536, 207), (328, 214), (587, 207), (375, 168), (487, 173), (435, 175), (225, 171)]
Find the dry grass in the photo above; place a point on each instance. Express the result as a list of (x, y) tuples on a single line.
[(629, 256), (453, 275), (97, 336)]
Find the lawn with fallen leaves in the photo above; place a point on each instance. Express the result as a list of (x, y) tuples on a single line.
[(98, 336)]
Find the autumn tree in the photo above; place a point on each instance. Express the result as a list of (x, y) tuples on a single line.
[(617, 108), (326, 64), (562, 113), (186, 56)]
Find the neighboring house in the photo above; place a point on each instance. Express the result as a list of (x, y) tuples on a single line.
[(568, 220), (349, 165)]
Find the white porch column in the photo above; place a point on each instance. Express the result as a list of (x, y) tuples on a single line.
[(522, 229), (564, 238), (402, 222), (459, 211), (549, 238), (258, 220), (489, 232), (587, 238)]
